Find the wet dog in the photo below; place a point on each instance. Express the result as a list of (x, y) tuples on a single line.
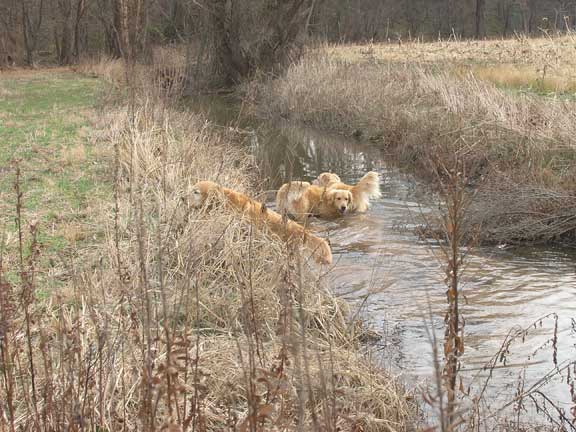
[(328, 197), (302, 200), (290, 231), (362, 192)]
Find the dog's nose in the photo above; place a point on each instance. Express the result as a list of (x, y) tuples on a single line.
[(343, 208)]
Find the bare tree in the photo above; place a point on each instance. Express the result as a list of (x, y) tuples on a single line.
[(505, 14), (480, 30), (62, 32), (562, 14), (252, 35), (80, 12), (130, 27), (102, 14), (32, 15), (124, 25), (9, 31), (242, 36), (67, 30)]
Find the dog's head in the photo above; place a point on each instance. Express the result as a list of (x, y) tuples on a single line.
[(201, 192), (341, 200), (326, 179)]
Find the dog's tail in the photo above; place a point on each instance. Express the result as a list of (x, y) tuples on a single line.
[(289, 192), (369, 185), (367, 188)]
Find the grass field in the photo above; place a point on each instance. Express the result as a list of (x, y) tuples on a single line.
[(544, 65), (45, 125)]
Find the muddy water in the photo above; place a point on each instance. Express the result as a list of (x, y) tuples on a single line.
[(395, 279)]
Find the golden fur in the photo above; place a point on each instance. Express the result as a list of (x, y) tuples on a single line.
[(362, 192), (326, 179), (301, 200), (257, 213), (328, 197)]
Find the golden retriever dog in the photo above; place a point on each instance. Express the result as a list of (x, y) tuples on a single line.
[(362, 192), (288, 230), (302, 200), (329, 197)]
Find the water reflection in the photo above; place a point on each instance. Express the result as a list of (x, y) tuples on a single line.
[(397, 277), (293, 153)]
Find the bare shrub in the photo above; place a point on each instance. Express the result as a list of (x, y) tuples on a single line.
[(532, 212), (165, 78), (251, 36)]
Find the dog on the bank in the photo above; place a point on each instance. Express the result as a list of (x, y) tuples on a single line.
[(328, 197), (204, 191)]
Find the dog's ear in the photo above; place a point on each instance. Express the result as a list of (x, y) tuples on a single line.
[(331, 196), (350, 199)]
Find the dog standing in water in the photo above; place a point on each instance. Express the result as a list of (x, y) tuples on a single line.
[(329, 197), (366, 189)]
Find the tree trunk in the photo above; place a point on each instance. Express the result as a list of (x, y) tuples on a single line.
[(9, 29), (25, 34), (63, 33), (531, 13), (108, 22), (239, 53), (526, 16), (120, 27), (31, 28), (228, 51), (65, 54), (506, 9), (449, 16), (480, 31), (80, 10), (130, 18)]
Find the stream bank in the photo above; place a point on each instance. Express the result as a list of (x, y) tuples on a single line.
[(395, 278), (516, 149)]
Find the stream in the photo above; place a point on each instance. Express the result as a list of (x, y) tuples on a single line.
[(396, 279)]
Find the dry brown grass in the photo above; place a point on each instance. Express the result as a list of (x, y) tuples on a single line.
[(4, 92), (188, 319), (165, 73), (213, 248), (559, 50), (539, 79), (427, 114), (545, 64), (73, 155), (73, 232)]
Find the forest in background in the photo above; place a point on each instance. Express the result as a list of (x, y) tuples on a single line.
[(63, 31)]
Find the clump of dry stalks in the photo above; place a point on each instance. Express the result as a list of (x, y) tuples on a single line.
[(517, 148), (166, 74), (460, 399), (189, 319)]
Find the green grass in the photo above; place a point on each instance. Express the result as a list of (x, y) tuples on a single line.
[(45, 118)]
